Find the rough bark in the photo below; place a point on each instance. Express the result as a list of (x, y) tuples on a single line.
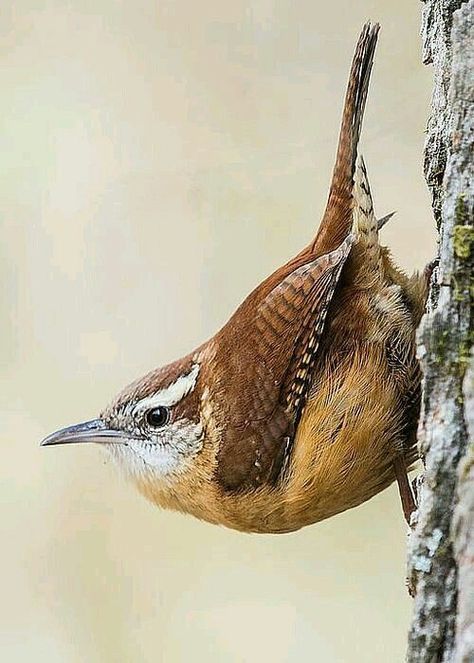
[(441, 549)]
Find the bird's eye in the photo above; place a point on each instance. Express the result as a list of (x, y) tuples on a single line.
[(158, 417)]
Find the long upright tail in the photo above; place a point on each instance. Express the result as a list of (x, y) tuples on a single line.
[(337, 219)]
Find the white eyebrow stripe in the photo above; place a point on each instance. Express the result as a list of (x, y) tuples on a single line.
[(172, 394)]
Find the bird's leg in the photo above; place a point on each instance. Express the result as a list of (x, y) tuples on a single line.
[(407, 497)]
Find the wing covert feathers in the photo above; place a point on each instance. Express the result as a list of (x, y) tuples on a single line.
[(313, 316), (282, 348)]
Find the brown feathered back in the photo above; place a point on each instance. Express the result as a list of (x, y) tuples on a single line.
[(277, 329)]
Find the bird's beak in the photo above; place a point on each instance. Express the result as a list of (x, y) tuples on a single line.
[(89, 431)]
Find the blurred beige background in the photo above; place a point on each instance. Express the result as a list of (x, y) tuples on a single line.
[(158, 159)]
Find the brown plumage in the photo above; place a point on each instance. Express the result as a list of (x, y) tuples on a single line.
[(305, 403)]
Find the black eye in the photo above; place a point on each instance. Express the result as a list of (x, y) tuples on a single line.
[(158, 417)]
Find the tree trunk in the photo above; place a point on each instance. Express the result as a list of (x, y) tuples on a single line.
[(441, 548)]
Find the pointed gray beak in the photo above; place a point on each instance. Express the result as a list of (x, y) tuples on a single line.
[(89, 431)]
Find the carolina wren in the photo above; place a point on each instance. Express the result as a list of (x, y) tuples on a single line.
[(306, 402)]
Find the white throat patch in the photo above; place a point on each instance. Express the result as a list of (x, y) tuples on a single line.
[(165, 455)]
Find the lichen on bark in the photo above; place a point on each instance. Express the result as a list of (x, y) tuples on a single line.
[(441, 548)]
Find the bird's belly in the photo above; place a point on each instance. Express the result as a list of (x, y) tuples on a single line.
[(344, 448)]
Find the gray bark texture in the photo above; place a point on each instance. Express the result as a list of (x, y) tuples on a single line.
[(441, 546)]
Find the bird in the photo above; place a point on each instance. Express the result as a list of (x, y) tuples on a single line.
[(305, 403)]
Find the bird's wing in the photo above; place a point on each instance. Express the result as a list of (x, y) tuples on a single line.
[(282, 347)]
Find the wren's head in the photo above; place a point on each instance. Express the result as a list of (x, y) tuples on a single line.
[(154, 427), (158, 418)]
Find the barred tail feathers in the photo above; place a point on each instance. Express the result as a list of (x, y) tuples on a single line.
[(337, 220), (364, 223)]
